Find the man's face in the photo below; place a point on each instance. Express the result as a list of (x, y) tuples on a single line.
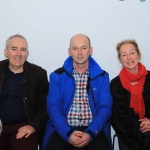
[(80, 49), (17, 53)]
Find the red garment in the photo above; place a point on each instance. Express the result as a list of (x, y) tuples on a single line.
[(136, 99)]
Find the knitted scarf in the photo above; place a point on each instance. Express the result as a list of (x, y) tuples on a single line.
[(136, 99)]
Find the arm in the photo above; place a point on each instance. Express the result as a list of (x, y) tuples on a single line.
[(35, 89), (103, 111), (124, 119), (40, 116), (55, 107)]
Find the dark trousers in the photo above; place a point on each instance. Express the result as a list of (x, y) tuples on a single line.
[(8, 138), (57, 143), (122, 146)]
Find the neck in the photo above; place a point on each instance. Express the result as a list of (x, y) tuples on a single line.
[(81, 67), (16, 69), (134, 71)]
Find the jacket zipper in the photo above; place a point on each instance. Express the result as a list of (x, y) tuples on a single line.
[(24, 99), (26, 108)]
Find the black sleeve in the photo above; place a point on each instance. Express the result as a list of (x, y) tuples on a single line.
[(40, 118), (124, 119)]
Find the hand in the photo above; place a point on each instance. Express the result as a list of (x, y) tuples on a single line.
[(145, 125), (26, 131), (84, 139), (73, 138)]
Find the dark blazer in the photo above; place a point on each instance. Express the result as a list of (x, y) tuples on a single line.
[(124, 120), (35, 89)]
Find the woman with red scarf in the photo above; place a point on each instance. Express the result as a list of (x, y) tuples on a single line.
[(131, 99)]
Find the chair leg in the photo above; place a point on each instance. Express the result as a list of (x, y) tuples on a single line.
[(113, 144)]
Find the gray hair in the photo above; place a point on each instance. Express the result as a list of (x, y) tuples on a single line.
[(13, 36)]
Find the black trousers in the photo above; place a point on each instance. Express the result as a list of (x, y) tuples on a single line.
[(8, 138), (122, 146), (57, 143)]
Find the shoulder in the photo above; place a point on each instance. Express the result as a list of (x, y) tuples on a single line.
[(115, 80), (148, 75), (34, 68), (59, 71), (147, 80), (115, 83), (103, 73), (35, 72), (58, 74), (3, 63)]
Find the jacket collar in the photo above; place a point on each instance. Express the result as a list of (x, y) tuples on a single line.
[(5, 63), (94, 68)]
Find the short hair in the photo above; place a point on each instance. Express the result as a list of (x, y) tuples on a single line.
[(128, 41), (85, 36), (13, 36)]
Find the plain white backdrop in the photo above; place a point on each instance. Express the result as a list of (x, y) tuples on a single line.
[(48, 26)]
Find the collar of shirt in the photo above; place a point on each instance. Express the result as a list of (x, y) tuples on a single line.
[(75, 70)]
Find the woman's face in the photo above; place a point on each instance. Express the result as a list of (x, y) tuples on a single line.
[(129, 57)]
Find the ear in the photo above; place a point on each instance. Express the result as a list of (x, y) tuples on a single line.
[(69, 51), (139, 57), (91, 51), (5, 52), (28, 54)]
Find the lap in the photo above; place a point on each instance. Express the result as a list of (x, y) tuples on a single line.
[(58, 143), (8, 138), (99, 142)]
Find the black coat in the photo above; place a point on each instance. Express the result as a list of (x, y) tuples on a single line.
[(124, 120), (35, 89)]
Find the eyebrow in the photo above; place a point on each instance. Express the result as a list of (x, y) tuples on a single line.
[(130, 50), (81, 46), (13, 47), (17, 47)]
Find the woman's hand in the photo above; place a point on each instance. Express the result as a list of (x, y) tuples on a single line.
[(145, 125)]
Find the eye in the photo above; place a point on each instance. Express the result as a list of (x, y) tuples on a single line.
[(132, 52), (23, 49), (74, 48), (14, 49), (123, 55), (83, 47)]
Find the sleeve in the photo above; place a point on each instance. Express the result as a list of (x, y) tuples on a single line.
[(40, 118), (103, 110), (124, 119), (55, 108)]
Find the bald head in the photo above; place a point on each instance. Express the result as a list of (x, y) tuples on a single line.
[(80, 49), (80, 36)]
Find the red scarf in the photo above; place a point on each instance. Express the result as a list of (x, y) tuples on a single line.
[(136, 99)]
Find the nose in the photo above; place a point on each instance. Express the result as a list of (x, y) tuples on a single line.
[(79, 51), (128, 56), (19, 52)]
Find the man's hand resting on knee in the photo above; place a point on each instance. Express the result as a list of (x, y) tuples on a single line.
[(26, 131)]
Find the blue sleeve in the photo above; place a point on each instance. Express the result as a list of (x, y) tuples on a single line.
[(102, 110), (55, 108)]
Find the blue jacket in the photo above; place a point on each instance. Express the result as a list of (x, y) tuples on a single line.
[(61, 95)]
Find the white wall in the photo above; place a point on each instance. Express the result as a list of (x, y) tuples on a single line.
[(48, 26)]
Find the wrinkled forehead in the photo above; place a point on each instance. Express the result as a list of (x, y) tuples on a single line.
[(17, 41)]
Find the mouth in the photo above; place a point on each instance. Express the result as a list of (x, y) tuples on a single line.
[(130, 63), (17, 58), (79, 57)]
